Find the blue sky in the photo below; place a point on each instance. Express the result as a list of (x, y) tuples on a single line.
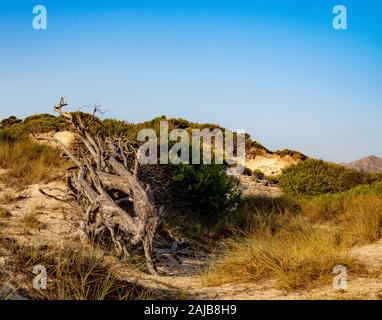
[(274, 68)]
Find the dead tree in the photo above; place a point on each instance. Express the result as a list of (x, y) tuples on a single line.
[(102, 167)]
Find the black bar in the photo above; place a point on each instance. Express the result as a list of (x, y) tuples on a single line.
[(227, 309)]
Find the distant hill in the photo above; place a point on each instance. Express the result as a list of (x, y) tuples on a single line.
[(371, 164)]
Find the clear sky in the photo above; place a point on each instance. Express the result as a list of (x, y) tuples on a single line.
[(277, 69)]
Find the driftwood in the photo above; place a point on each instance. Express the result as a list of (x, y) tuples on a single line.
[(104, 166)]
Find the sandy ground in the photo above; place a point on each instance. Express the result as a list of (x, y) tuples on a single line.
[(64, 137), (269, 164), (251, 186)]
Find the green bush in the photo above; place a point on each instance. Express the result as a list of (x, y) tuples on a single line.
[(252, 144), (292, 153), (247, 172), (113, 127), (374, 188), (314, 177), (272, 179), (39, 123), (10, 121), (205, 190), (258, 174)]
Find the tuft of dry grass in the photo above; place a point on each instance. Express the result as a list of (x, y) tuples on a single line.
[(28, 162), (30, 220), (358, 217), (8, 197), (361, 223), (324, 208), (5, 292), (298, 251), (73, 273), (4, 213), (294, 259)]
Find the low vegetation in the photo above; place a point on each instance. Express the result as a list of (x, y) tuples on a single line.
[(299, 238), (314, 177), (8, 197), (258, 174), (4, 213), (296, 251), (34, 124), (30, 219), (5, 292), (296, 259), (73, 273), (291, 153), (27, 162), (205, 190)]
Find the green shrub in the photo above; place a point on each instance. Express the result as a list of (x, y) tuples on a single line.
[(247, 172), (252, 144), (314, 177), (374, 188), (205, 190), (376, 177), (294, 154), (39, 123), (8, 122), (257, 212), (272, 179), (114, 127), (258, 174)]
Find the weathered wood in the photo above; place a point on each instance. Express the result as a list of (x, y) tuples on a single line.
[(101, 167)]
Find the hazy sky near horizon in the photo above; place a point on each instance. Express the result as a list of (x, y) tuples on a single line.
[(277, 69)]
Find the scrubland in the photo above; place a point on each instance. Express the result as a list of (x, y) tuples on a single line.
[(292, 241)]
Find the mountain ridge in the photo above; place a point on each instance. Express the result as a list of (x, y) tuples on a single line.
[(370, 164)]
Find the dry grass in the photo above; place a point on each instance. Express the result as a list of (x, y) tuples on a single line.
[(358, 218), (28, 162), (30, 220), (5, 292), (324, 208), (294, 259), (8, 197), (4, 213), (74, 273), (253, 214), (361, 223), (300, 252)]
